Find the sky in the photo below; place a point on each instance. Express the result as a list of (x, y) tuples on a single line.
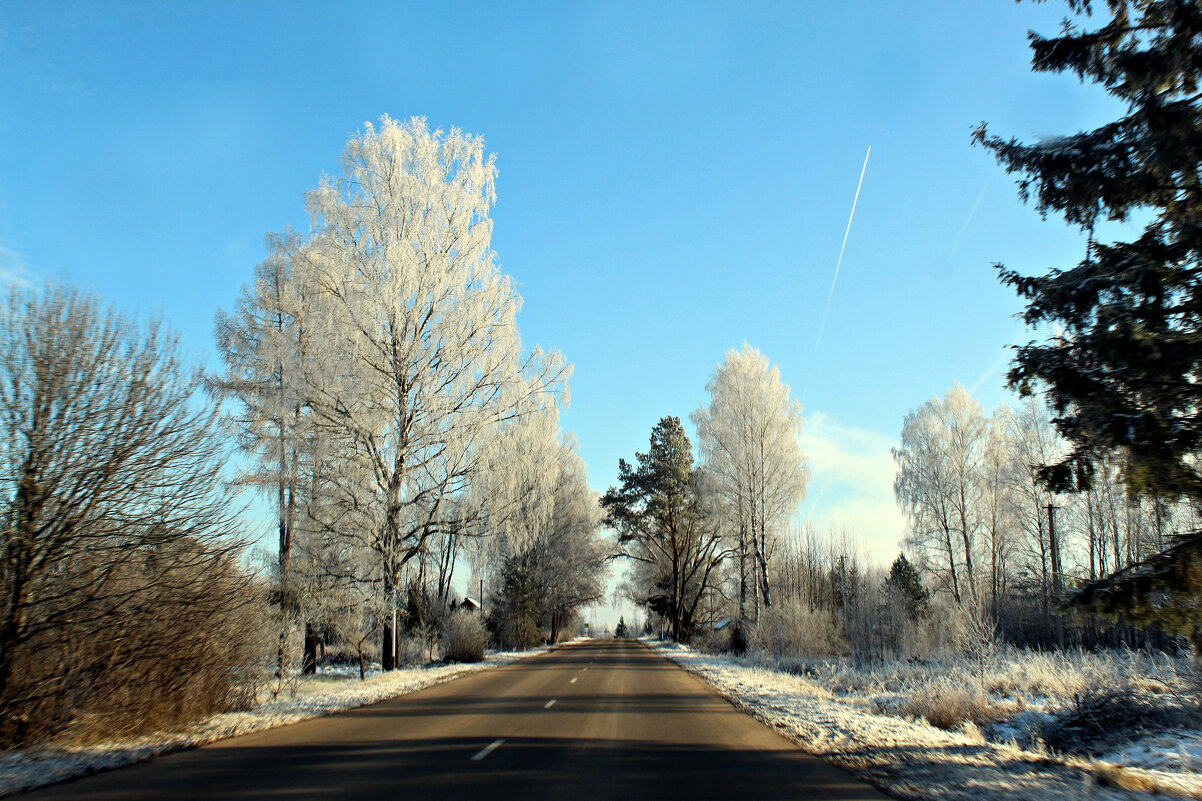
[(674, 179)]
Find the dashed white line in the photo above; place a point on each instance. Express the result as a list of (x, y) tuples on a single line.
[(550, 703), (488, 749)]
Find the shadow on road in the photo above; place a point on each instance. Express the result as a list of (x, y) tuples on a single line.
[(521, 768)]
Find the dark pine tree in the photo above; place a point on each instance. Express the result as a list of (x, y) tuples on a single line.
[(903, 580), (1124, 371), (656, 511)]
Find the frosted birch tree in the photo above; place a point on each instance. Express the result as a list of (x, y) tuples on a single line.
[(748, 439), (420, 353), (543, 521), (1035, 442), (938, 485)]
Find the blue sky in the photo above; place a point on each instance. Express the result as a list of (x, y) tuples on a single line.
[(674, 179)]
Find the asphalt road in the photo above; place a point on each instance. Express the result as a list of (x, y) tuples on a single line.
[(594, 720)]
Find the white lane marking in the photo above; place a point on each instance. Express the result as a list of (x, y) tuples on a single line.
[(550, 703), (573, 681), (488, 749)]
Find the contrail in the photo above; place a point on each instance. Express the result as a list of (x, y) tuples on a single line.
[(967, 220), (843, 247)]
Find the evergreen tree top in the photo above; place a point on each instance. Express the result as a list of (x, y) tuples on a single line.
[(1124, 373)]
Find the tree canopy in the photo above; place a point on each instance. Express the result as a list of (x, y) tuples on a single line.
[(1122, 370), (657, 512)]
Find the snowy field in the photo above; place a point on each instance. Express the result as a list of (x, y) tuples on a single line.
[(331, 690), (875, 722)]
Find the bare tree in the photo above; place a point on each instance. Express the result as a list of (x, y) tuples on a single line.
[(118, 548)]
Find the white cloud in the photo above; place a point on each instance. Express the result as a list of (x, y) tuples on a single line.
[(14, 269), (851, 485)]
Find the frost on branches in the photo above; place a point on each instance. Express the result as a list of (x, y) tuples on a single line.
[(392, 335)]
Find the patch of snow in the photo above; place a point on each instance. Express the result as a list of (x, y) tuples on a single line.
[(853, 721), (333, 689), (1174, 752)]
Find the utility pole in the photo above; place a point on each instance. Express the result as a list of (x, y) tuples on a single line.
[(1057, 575), (1054, 546)]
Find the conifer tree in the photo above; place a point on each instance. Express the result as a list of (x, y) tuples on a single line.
[(658, 514), (1124, 373), (903, 580)]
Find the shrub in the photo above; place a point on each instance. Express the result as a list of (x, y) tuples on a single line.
[(796, 630), (125, 603), (947, 704), (463, 637), (1100, 718)]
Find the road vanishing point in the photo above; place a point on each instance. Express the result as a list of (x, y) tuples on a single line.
[(601, 719)]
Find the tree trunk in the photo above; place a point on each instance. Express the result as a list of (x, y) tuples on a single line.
[(309, 657), (762, 557), (388, 643)]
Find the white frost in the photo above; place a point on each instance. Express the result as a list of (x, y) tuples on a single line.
[(857, 730)]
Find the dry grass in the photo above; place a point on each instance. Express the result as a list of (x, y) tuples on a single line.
[(948, 704)]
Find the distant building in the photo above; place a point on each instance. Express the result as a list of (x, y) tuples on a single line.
[(468, 603)]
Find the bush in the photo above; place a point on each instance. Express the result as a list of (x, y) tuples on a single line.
[(1102, 718), (947, 704), (798, 631), (179, 651), (125, 601), (463, 637)]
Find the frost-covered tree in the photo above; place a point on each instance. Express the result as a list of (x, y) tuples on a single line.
[(998, 502), (938, 485), (1034, 442), (544, 525), (420, 353), (265, 346), (748, 439)]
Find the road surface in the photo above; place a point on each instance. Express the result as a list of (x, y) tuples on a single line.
[(593, 720)]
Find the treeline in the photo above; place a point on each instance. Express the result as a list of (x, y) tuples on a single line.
[(700, 539), (377, 390), (990, 554), (985, 531)]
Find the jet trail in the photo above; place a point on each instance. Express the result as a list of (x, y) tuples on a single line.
[(834, 280)]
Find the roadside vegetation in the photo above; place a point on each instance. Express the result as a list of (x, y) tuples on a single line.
[(1046, 591), (375, 391)]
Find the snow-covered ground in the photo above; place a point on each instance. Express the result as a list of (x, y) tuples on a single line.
[(873, 721), (332, 690)]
